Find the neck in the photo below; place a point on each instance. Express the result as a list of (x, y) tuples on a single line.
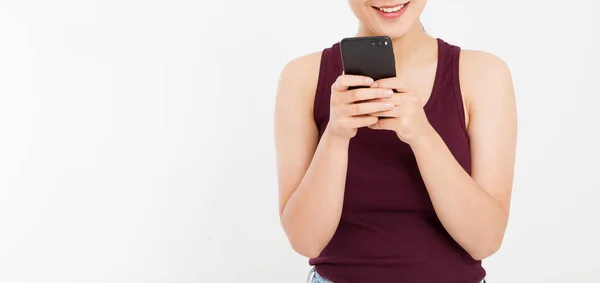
[(410, 45)]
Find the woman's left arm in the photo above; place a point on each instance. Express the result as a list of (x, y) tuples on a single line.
[(474, 208)]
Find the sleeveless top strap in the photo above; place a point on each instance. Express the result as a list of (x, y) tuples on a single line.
[(455, 66), (331, 68)]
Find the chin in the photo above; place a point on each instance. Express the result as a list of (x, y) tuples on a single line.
[(396, 31)]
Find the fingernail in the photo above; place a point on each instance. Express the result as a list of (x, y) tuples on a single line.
[(389, 105), (369, 81), (388, 93), (374, 85)]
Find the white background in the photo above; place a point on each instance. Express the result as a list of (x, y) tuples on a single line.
[(136, 137)]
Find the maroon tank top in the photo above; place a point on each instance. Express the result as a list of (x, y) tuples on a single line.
[(389, 231)]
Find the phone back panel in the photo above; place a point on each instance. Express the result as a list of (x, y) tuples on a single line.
[(368, 56)]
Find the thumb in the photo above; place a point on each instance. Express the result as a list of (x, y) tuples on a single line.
[(381, 124)]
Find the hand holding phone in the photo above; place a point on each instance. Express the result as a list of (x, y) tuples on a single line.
[(371, 57), (351, 108)]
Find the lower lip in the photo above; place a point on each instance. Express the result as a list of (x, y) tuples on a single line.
[(393, 15)]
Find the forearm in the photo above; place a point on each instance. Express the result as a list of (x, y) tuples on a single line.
[(311, 215), (471, 216)]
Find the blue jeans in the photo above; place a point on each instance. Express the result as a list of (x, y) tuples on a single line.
[(314, 277)]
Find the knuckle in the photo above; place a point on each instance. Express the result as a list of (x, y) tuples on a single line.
[(385, 105), (334, 110), (341, 111), (376, 94), (335, 85), (338, 82), (335, 99), (359, 108), (344, 123), (345, 79), (356, 94), (371, 93)]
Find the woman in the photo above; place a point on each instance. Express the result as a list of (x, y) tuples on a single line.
[(421, 196)]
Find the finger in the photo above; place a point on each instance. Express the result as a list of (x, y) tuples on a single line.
[(397, 98), (393, 113), (392, 83), (389, 113), (367, 108), (343, 82), (363, 94), (361, 121), (382, 124)]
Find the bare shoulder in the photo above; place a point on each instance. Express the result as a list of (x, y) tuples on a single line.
[(299, 77), (303, 63), (478, 64), (484, 77)]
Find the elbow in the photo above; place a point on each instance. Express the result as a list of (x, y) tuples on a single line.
[(487, 244), (304, 245), (483, 253), (305, 249), (308, 253), (300, 241), (486, 250)]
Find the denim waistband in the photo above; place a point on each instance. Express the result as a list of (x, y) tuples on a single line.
[(314, 277)]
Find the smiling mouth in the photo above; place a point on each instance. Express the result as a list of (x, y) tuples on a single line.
[(391, 9)]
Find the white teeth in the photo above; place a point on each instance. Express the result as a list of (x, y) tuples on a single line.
[(393, 9)]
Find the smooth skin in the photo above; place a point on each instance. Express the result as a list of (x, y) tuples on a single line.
[(474, 208)]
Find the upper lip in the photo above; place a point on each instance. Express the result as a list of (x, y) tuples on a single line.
[(391, 6)]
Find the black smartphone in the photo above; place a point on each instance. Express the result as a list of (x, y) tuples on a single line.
[(371, 56)]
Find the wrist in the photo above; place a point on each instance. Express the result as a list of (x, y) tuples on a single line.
[(332, 140), (425, 141)]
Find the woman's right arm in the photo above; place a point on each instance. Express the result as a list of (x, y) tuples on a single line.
[(312, 173)]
